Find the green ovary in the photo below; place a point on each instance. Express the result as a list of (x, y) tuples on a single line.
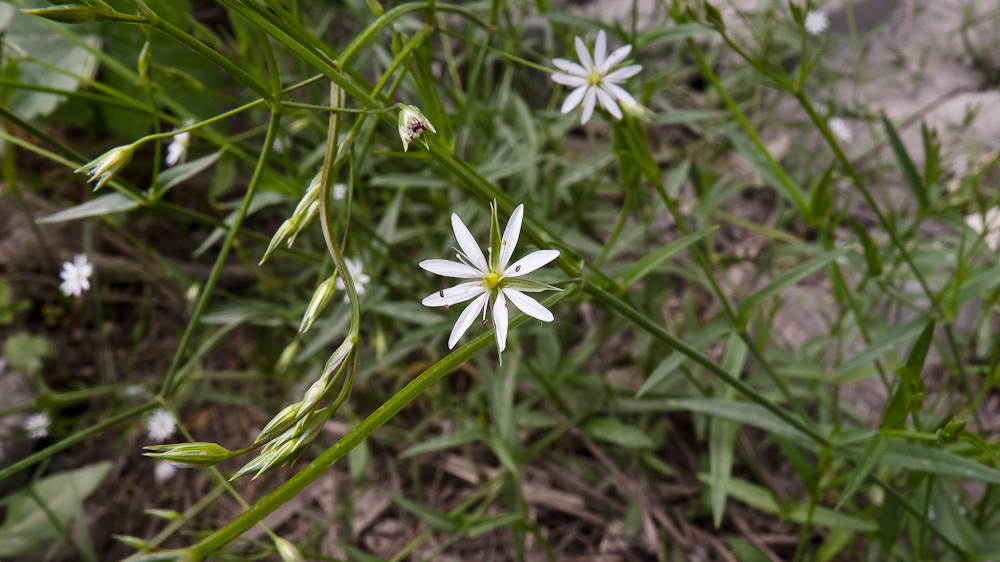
[(492, 280)]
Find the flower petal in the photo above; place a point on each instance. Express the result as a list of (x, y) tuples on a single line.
[(510, 235), (573, 99), (583, 54), (570, 67), (619, 92), (468, 243), (623, 74), (454, 295), (570, 80), (588, 105), (530, 262), (600, 49), (616, 57), (466, 319), (528, 305), (500, 321), (608, 103), (448, 268)]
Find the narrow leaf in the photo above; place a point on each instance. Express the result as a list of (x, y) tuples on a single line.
[(645, 265), (877, 447), (882, 345), (183, 172), (103, 205), (791, 277), (872, 257), (906, 164)]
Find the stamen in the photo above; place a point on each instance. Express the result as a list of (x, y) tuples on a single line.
[(441, 294), (447, 307), (516, 269), (504, 242), (506, 304), (484, 323)]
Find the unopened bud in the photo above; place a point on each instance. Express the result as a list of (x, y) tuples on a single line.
[(107, 165), (189, 455), (321, 298), (279, 422), (287, 551), (71, 13), (286, 229), (412, 124)]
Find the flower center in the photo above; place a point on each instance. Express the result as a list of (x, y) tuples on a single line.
[(492, 280), (595, 78)]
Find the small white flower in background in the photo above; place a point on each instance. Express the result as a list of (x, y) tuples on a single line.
[(840, 244), (491, 282), (279, 144), (76, 276), (593, 81), (816, 22), (177, 149), (412, 124), (339, 191), (356, 269), (37, 425), (104, 167), (164, 471), (839, 129), (160, 425), (990, 228)]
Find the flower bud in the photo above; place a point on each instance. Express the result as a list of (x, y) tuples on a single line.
[(321, 298), (189, 455), (279, 421), (71, 13), (107, 165), (287, 551), (286, 229), (412, 124)]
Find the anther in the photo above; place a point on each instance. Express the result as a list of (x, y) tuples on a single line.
[(484, 323), (446, 306), (504, 242), (506, 304), (441, 294), (516, 269)]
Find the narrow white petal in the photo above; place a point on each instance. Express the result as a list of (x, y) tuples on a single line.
[(608, 103), (530, 262), (570, 80), (573, 99), (448, 268), (620, 93), (600, 50), (510, 236), (583, 54), (570, 67), (528, 305), (500, 321), (466, 319), (454, 295), (588, 105), (468, 243), (623, 74), (616, 57)]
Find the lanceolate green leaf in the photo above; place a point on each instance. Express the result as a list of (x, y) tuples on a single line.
[(649, 262), (791, 277), (882, 345), (872, 455), (98, 206), (906, 164)]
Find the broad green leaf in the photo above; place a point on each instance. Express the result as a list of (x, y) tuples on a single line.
[(791, 277), (653, 259), (98, 206), (613, 431), (759, 498), (446, 441), (25, 352), (28, 526), (183, 172), (906, 165), (911, 456), (39, 38), (882, 345), (877, 447)]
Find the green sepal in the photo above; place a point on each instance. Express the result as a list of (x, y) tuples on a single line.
[(495, 239), (527, 285)]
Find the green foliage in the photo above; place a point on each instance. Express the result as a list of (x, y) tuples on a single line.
[(26, 352)]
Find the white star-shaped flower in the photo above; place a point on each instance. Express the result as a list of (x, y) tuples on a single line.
[(593, 80), (177, 149), (989, 228), (76, 276), (839, 129), (160, 425), (816, 22), (37, 425), (491, 282), (356, 269)]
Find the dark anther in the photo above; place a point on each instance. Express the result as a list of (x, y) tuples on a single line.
[(441, 294), (516, 269), (484, 323)]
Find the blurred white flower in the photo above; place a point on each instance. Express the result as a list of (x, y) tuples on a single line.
[(592, 80), (816, 22), (356, 269), (160, 425), (989, 228), (76, 276), (177, 149), (340, 191), (839, 129), (37, 425), (492, 283), (164, 471), (412, 124)]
